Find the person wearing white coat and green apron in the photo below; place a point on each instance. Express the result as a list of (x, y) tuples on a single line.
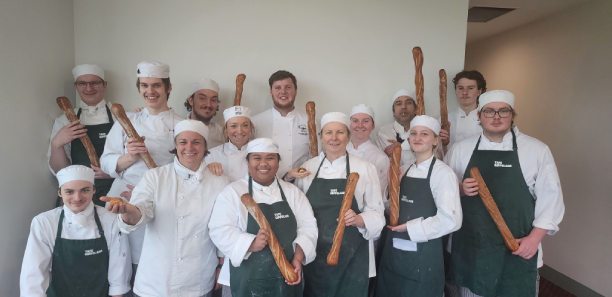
[(324, 184), (518, 170), (413, 263), (76, 249)]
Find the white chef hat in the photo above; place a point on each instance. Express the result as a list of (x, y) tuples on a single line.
[(496, 96), (191, 125), (404, 92), (153, 69), (206, 84), (236, 111), (75, 172), (262, 145), (84, 69), (362, 108), (335, 116), (426, 121)]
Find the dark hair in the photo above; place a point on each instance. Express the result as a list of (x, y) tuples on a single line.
[(249, 154), (280, 75), (165, 81), (481, 83), (189, 107), (206, 152)]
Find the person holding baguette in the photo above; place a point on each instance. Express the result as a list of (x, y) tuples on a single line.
[(429, 208), (253, 270), (324, 183), (518, 170)]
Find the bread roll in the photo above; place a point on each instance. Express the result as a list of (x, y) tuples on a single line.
[(119, 113), (347, 200), (64, 105)]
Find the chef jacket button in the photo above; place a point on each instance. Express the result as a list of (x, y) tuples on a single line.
[(181, 217), (182, 197), (180, 259)]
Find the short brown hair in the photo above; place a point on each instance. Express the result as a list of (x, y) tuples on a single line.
[(481, 83), (280, 75), (189, 107), (165, 81)]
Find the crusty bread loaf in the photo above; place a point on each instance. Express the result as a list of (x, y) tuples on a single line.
[(119, 113), (64, 105), (418, 79), (443, 107), (347, 200), (239, 86), (312, 129), (394, 185)]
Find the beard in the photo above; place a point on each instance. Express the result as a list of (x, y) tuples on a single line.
[(202, 118)]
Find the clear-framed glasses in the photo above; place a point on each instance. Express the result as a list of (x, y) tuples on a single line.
[(503, 113), (93, 84)]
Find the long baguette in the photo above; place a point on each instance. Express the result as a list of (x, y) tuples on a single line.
[(491, 206), (119, 113), (443, 107), (285, 267), (64, 105), (312, 129), (347, 200), (239, 86), (394, 185), (417, 54)]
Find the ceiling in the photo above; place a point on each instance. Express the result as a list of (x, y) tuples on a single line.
[(527, 11)]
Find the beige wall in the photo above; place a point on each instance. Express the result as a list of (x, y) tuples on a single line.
[(36, 57), (342, 52), (559, 70)]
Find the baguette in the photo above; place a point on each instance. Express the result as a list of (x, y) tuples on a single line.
[(64, 105), (119, 113), (285, 267), (443, 107), (239, 85), (347, 200), (394, 186), (491, 206), (312, 129), (418, 79)]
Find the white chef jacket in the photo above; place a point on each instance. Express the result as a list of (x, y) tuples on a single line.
[(38, 257), (159, 140), (371, 153), (233, 160), (389, 131), (462, 125), (229, 220), (539, 171), (178, 257), (215, 135), (445, 190), (90, 115), (367, 193), (291, 134)]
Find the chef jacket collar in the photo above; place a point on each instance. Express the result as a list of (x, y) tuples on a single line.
[(269, 190), (277, 114), (146, 112), (78, 219), (91, 109), (230, 147), (424, 165), (362, 147), (400, 129), (461, 112), (507, 138), (187, 174), (338, 163)]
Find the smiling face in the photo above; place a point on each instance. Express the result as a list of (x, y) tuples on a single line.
[(77, 194), (404, 110), (91, 88), (263, 167), (496, 124), (154, 92), (335, 137), (190, 149), (361, 126), (467, 92), (422, 140), (239, 129), (205, 104), (283, 93)]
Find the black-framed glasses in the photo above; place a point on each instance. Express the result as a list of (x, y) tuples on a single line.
[(503, 113), (93, 84)]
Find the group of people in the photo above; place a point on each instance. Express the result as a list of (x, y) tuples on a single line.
[(182, 230)]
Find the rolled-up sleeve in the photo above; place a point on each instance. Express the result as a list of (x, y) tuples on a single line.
[(143, 197), (373, 208), (113, 149), (119, 262), (307, 232), (549, 207)]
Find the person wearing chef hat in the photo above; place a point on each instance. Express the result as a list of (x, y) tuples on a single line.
[(236, 233), (76, 249), (412, 263), (394, 134), (230, 157), (517, 169), (203, 105), (155, 124), (95, 121), (282, 123), (364, 220), (175, 202)]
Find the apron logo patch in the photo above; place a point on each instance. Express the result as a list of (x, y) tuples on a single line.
[(278, 216), (91, 252), (335, 192), (303, 129), (101, 135), (405, 199), (500, 164)]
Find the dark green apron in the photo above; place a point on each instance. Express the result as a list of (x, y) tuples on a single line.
[(480, 259), (418, 273), (259, 275), (79, 267), (350, 276)]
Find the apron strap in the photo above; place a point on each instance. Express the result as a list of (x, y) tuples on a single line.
[(348, 166), (431, 167), (98, 224), (477, 144), (79, 114), (109, 114), (279, 187), (60, 226), (398, 138)]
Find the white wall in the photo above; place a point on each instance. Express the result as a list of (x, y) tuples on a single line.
[(559, 70), (37, 55), (342, 52)]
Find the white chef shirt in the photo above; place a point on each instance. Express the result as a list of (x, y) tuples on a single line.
[(371, 153), (159, 140), (178, 257), (38, 257), (291, 134), (389, 131), (367, 193), (539, 171), (462, 125), (229, 220), (233, 160), (215, 135), (90, 115)]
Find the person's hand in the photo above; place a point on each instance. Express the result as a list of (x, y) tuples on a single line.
[(215, 168), (293, 173), (136, 147), (68, 133), (119, 208), (138, 109), (260, 241), (389, 148), (99, 174), (398, 228), (443, 134), (297, 267), (528, 245), (469, 187), (353, 219), (127, 194)]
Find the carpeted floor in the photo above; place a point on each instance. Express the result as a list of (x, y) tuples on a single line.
[(548, 289)]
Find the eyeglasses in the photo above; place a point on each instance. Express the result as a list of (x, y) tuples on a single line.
[(93, 84), (503, 113)]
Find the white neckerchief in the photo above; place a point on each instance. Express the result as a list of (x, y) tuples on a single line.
[(91, 110), (193, 177), (400, 129), (80, 219)]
